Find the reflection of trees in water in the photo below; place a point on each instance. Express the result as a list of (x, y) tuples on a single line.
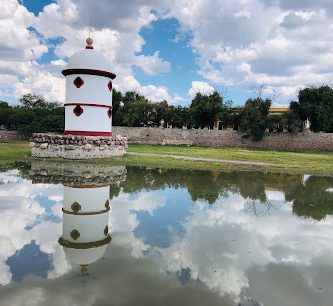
[(258, 208), (309, 199)]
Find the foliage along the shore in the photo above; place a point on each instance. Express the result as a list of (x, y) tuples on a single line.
[(35, 114)]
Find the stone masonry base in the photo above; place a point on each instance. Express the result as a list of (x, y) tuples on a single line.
[(77, 147)]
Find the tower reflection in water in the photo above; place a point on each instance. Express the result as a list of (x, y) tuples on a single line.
[(85, 223), (86, 207)]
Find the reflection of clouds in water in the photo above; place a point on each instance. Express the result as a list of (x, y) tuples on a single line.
[(225, 245), (60, 265), (274, 195), (222, 243), (123, 220), (22, 218), (10, 177), (16, 214), (120, 280)]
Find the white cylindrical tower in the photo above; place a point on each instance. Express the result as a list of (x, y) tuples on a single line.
[(85, 223), (88, 106)]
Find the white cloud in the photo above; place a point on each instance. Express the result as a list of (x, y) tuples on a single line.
[(155, 93), (241, 44), (117, 38), (152, 65), (264, 42), (200, 87)]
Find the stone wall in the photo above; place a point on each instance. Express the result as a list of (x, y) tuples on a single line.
[(76, 147), (10, 136), (226, 138)]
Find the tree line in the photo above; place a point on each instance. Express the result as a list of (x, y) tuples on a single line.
[(35, 114)]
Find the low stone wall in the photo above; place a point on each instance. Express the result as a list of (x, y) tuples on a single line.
[(76, 147), (11, 136), (226, 138)]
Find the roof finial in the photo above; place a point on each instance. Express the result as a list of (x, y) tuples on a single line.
[(89, 41)]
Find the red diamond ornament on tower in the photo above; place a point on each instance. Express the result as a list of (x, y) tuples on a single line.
[(110, 85), (78, 110), (78, 82)]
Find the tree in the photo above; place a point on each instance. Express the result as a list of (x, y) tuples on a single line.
[(4, 104), (5, 110), (316, 104), (292, 119), (117, 105), (137, 114), (33, 101), (158, 112), (34, 114), (206, 109), (275, 123), (178, 116), (253, 117)]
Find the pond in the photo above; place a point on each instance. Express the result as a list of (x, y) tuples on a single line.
[(82, 234)]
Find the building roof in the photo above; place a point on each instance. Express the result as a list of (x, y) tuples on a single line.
[(88, 61), (278, 109)]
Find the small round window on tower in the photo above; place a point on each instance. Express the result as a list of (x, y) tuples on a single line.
[(78, 110), (78, 82), (110, 86)]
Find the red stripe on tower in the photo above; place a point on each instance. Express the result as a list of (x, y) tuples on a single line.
[(88, 133)]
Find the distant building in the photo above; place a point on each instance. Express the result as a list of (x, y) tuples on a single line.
[(233, 121)]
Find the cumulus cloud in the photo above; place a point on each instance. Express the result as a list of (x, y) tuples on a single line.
[(117, 38), (275, 43), (282, 44), (152, 65), (200, 87)]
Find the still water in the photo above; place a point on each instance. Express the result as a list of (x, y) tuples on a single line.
[(79, 234)]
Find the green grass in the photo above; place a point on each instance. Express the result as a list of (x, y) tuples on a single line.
[(14, 151), (306, 161), (320, 163)]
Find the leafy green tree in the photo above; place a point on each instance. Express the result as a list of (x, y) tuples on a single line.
[(292, 119), (33, 101), (178, 116), (4, 104), (5, 110), (34, 114), (206, 109), (275, 123), (316, 104), (137, 114), (158, 112), (253, 117), (117, 108)]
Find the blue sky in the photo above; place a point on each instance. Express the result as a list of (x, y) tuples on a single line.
[(169, 50)]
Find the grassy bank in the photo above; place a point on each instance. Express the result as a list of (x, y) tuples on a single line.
[(320, 163), (14, 151)]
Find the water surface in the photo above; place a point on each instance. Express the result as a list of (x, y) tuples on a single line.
[(178, 237)]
